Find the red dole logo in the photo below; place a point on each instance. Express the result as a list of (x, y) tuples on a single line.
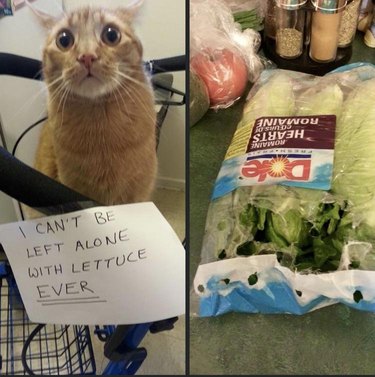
[(277, 167)]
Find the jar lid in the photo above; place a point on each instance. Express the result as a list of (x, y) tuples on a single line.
[(290, 4), (329, 6)]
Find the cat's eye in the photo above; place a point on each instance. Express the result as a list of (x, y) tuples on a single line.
[(111, 36), (65, 40)]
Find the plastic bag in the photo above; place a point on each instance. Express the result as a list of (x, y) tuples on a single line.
[(243, 5), (248, 13), (221, 54), (291, 227), (199, 102)]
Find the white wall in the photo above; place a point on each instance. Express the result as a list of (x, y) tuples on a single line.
[(161, 28), (22, 101)]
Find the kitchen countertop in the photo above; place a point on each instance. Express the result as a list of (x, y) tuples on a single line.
[(331, 340)]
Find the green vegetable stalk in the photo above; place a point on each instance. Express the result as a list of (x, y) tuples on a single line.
[(249, 19)]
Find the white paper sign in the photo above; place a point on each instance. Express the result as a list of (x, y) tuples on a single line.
[(104, 265)]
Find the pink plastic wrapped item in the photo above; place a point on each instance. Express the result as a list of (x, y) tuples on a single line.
[(221, 54)]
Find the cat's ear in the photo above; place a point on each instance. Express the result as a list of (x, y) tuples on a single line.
[(130, 12), (45, 19)]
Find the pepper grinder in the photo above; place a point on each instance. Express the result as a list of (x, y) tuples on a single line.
[(290, 24), (325, 27)]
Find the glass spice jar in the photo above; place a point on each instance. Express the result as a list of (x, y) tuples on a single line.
[(325, 27), (348, 25), (290, 24), (270, 19)]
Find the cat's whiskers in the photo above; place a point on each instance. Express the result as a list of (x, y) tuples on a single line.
[(126, 69), (66, 95), (127, 77), (138, 96), (57, 91), (115, 91), (118, 91), (43, 90), (47, 88), (39, 73), (134, 70), (149, 113), (131, 96), (58, 95), (54, 82), (63, 92), (127, 92)]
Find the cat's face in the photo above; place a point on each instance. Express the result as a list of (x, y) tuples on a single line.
[(90, 52)]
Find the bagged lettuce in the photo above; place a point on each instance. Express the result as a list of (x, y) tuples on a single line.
[(354, 175), (275, 97), (291, 225)]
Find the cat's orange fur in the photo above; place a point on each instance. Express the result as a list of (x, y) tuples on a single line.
[(100, 135)]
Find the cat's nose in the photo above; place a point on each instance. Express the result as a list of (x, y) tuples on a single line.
[(87, 60)]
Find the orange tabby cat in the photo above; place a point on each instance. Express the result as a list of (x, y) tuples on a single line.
[(100, 135)]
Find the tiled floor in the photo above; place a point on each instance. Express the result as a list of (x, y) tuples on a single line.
[(166, 350)]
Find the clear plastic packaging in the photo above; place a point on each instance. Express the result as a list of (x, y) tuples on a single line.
[(290, 25), (287, 245), (248, 13), (349, 21), (242, 5), (325, 28), (220, 53)]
